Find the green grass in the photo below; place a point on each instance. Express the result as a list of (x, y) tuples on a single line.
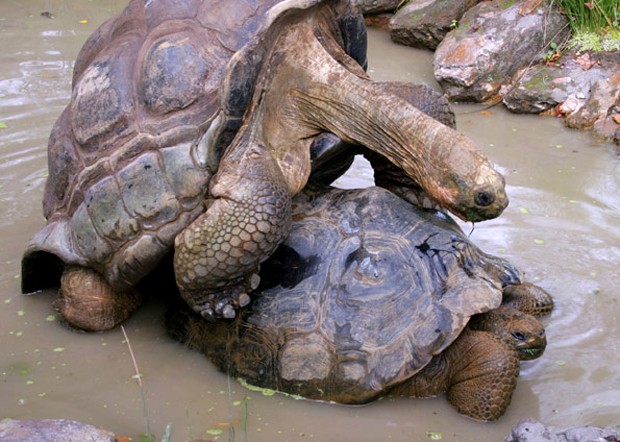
[(595, 24)]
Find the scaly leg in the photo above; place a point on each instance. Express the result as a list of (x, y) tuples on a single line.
[(217, 257)]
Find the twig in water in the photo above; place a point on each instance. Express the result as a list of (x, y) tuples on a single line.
[(138, 376)]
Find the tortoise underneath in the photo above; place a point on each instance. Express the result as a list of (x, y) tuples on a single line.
[(369, 296)]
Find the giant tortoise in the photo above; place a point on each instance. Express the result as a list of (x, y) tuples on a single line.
[(370, 295), (190, 127)]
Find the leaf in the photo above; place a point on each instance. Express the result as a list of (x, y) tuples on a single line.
[(214, 431), (584, 61), (3, 125), (434, 435), (58, 349), (524, 210), (539, 241), (83, 22)]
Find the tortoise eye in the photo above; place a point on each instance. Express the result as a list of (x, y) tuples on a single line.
[(519, 336), (484, 198)]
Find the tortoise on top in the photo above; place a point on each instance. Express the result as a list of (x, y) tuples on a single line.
[(370, 295), (191, 123)]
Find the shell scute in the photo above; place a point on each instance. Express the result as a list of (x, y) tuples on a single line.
[(157, 12), (187, 181), (173, 74), (97, 106), (145, 190), (86, 239), (63, 168), (104, 203), (232, 30)]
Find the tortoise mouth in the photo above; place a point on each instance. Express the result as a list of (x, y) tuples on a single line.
[(526, 354)]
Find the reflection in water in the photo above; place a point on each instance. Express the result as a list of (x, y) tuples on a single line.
[(562, 228)]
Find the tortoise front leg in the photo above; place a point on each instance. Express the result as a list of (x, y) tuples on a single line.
[(217, 257), (478, 371), (484, 372)]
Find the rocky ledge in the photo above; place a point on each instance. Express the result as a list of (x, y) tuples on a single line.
[(530, 430), (506, 51)]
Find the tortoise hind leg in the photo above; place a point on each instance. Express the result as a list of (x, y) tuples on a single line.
[(217, 257), (86, 301)]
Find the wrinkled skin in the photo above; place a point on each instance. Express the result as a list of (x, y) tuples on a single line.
[(314, 88), (370, 296), (204, 156)]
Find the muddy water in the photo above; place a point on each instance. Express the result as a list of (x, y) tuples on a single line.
[(562, 228)]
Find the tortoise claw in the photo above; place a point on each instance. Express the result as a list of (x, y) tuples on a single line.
[(225, 302), (228, 312), (208, 314)]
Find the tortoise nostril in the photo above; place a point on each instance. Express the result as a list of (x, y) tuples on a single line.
[(484, 198)]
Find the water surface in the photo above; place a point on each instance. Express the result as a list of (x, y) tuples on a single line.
[(562, 228)]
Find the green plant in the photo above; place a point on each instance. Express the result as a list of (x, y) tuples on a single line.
[(454, 23), (553, 53), (595, 24)]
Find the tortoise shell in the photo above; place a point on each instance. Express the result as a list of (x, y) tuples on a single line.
[(158, 93), (364, 292)]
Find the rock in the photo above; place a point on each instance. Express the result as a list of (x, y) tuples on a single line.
[(493, 41), (565, 82), (425, 23), (377, 6), (378, 21), (604, 96), (530, 430), (51, 430), (583, 88)]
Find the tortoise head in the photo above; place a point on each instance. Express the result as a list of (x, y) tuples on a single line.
[(521, 331), (310, 82), (467, 184)]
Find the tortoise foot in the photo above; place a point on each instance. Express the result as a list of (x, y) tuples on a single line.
[(87, 302), (225, 302)]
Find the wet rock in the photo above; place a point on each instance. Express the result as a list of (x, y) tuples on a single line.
[(530, 430), (378, 21), (583, 88), (51, 430), (425, 23), (603, 98), (377, 6), (566, 82), (493, 41)]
